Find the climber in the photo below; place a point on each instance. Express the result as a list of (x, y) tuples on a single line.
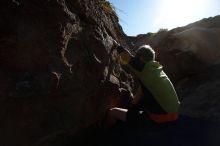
[(156, 101)]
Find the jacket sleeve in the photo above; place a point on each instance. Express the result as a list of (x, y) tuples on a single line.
[(135, 64)]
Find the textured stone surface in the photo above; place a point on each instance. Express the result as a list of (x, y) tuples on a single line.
[(58, 72)]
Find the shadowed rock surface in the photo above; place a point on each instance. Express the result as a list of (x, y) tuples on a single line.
[(58, 72)]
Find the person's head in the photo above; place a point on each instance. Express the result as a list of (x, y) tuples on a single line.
[(145, 53)]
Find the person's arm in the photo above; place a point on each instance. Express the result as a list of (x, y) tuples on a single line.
[(137, 96), (125, 58)]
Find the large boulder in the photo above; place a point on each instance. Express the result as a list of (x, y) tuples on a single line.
[(58, 72), (200, 94)]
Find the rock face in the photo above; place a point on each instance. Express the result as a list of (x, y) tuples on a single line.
[(190, 56), (200, 94), (57, 69)]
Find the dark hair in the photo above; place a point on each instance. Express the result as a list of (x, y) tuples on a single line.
[(146, 53)]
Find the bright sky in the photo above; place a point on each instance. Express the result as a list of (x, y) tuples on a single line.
[(143, 16)]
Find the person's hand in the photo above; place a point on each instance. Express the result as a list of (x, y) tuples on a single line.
[(124, 57)]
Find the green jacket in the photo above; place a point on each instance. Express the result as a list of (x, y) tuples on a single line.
[(158, 90)]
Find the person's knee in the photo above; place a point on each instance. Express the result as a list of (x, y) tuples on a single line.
[(118, 113)]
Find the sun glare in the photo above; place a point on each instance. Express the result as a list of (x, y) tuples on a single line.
[(173, 13)]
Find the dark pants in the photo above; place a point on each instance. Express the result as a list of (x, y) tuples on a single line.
[(184, 132), (139, 118)]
